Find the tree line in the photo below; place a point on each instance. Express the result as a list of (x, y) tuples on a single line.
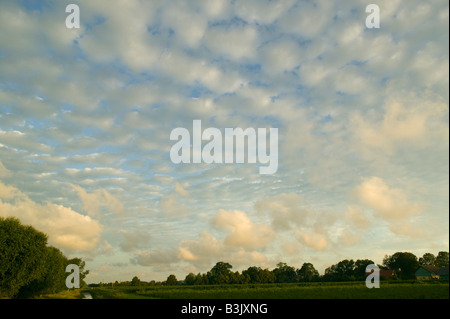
[(28, 266), (403, 265)]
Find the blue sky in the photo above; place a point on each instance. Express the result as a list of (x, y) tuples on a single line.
[(362, 114)]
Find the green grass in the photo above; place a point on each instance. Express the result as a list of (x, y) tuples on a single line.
[(65, 294), (350, 290)]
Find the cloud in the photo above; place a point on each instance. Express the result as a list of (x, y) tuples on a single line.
[(4, 172), (286, 210), (349, 238), (94, 203), (356, 217), (388, 203), (234, 43), (244, 233), (160, 257), (409, 120), (66, 228), (313, 240), (391, 205), (134, 239), (170, 206), (205, 249), (180, 189)]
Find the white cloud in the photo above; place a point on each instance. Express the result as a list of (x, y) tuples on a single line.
[(356, 217), (94, 203), (388, 203), (232, 42), (205, 249), (66, 228), (313, 240), (244, 233), (286, 211)]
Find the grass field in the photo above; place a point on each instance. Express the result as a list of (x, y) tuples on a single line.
[(349, 290)]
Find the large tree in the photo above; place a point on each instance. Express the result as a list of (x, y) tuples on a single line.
[(285, 273), (307, 273), (135, 281), (403, 263), (171, 280), (257, 275), (342, 271), (22, 252), (442, 259), (360, 268), (220, 273), (428, 259), (27, 265)]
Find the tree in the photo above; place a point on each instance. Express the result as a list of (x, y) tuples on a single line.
[(254, 274), (53, 277), (307, 273), (190, 279), (285, 273), (27, 265), (427, 259), (171, 280), (442, 259), (360, 268), (220, 273), (342, 271), (403, 263), (135, 281), (22, 252)]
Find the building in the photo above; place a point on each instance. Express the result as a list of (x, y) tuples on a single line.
[(443, 273), (427, 273), (386, 274)]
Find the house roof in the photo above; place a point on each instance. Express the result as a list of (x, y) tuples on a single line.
[(386, 273), (443, 271), (431, 269)]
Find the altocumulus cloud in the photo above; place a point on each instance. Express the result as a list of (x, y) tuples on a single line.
[(85, 118), (66, 228)]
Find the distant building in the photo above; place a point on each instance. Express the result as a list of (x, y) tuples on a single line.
[(443, 273), (385, 274), (427, 273)]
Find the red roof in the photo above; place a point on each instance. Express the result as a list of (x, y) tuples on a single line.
[(385, 273)]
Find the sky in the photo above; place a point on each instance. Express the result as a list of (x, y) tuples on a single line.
[(362, 116)]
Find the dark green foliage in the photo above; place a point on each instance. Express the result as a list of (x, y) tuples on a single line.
[(442, 259), (403, 263), (307, 273), (427, 259), (360, 268), (220, 273), (171, 280), (135, 281), (284, 273), (22, 250), (190, 279), (27, 265), (258, 275)]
